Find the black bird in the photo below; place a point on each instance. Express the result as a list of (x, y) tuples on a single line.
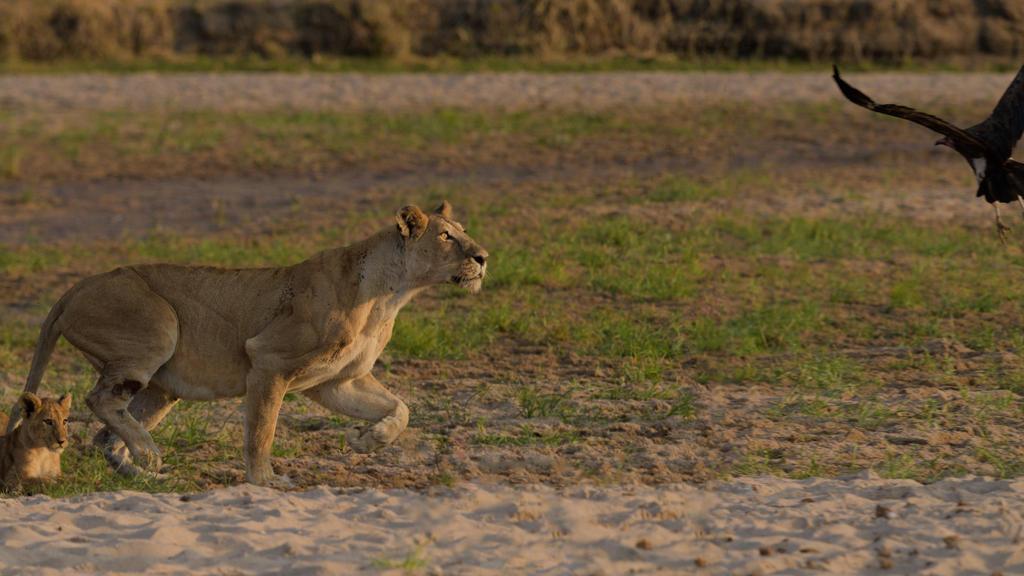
[(986, 146)]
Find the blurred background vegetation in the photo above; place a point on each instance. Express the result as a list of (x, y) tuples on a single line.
[(496, 34)]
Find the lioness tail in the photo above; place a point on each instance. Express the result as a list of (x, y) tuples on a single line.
[(48, 336)]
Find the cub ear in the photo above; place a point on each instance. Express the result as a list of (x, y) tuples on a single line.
[(30, 404), (411, 222), (65, 402), (445, 209)]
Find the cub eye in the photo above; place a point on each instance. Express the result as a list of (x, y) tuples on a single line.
[(65, 421), (48, 422)]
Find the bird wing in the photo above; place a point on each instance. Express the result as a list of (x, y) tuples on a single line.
[(1016, 170), (1006, 123), (965, 141)]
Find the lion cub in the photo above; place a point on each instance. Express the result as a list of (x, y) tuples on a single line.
[(32, 450)]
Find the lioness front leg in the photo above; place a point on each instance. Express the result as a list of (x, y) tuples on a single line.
[(364, 398), (263, 397)]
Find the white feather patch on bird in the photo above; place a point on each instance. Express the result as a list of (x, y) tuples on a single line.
[(978, 164)]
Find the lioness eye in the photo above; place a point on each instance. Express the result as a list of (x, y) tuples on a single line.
[(444, 236), (48, 422)]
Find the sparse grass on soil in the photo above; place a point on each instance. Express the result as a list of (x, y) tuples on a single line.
[(89, 145), (148, 144), (702, 321)]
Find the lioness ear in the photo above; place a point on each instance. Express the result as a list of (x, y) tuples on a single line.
[(30, 404), (65, 402), (445, 209), (411, 222)]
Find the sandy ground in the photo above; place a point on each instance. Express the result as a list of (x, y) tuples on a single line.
[(749, 526), (594, 91)]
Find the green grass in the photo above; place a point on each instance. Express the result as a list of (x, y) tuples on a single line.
[(10, 162), (32, 258), (612, 287), (458, 334), (682, 188), (1005, 458), (412, 562), (526, 436), (86, 471), (535, 404)]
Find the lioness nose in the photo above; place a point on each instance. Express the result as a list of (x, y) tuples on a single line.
[(480, 258), (62, 441)]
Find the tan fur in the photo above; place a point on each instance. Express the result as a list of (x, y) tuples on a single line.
[(31, 452), (160, 333)]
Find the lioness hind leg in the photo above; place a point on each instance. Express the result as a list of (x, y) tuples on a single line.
[(128, 332), (149, 407), (109, 400), (367, 399)]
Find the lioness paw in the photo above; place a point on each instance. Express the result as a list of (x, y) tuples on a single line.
[(275, 481), (364, 440), (361, 440), (121, 460), (280, 482), (148, 460)]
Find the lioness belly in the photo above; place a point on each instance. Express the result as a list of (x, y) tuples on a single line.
[(218, 371), (216, 310), (204, 372)]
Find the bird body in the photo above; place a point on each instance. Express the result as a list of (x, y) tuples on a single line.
[(987, 146), (978, 165)]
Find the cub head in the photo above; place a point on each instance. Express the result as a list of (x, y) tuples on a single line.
[(438, 250), (45, 421)]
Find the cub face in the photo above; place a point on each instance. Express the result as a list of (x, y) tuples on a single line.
[(46, 421)]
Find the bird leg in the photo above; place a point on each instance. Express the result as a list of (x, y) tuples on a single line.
[(1020, 189), (1001, 228)]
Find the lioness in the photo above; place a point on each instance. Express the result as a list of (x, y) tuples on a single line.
[(159, 333), (31, 451)]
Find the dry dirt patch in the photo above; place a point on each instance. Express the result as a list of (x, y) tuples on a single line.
[(505, 91)]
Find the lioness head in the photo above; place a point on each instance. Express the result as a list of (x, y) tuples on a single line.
[(45, 421), (438, 250)]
